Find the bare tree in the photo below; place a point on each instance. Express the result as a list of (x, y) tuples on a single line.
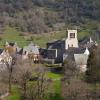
[(7, 73), (73, 88), (76, 90), (3, 88), (22, 75), (41, 86), (70, 70)]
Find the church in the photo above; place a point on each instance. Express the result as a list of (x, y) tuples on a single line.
[(77, 51), (69, 48)]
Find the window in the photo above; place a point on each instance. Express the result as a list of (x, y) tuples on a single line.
[(72, 35)]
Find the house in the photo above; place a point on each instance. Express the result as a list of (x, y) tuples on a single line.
[(27, 52), (30, 52), (54, 51), (81, 61), (4, 57), (11, 47)]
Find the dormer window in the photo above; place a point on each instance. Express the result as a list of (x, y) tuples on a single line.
[(72, 35)]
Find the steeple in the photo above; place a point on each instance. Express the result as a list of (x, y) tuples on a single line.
[(71, 40)]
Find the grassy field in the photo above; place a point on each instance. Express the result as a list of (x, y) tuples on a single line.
[(13, 35), (57, 84), (56, 87)]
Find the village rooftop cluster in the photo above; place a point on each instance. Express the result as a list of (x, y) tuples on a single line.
[(56, 52)]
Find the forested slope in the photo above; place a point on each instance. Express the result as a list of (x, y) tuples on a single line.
[(39, 16)]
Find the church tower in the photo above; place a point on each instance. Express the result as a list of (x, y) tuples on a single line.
[(72, 40)]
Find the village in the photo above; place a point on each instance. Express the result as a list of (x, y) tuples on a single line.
[(49, 49), (55, 53), (53, 58)]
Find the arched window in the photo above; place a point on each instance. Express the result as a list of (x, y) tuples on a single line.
[(72, 35)]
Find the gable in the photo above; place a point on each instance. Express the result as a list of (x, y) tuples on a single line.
[(81, 59)]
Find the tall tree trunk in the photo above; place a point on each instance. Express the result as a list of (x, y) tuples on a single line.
[(10, 84), (25, 89)]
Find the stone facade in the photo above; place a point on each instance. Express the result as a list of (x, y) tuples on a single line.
[(72, 40)]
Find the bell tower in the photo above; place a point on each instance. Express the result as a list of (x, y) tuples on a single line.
[(71, 40)]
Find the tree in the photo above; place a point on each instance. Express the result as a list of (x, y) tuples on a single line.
[(22, 75), (76, 90), (72, 87), (93, 70), (93, 66), (7, 74), (41, 85), (32, 80), (3, 88), (70, 70)]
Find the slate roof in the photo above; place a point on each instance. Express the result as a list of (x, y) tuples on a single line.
[(31, 48), (59, 44), (20, 51), (43, 52), (71, 51)]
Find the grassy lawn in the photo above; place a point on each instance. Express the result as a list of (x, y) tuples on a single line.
[(15, 94), (56, 78)]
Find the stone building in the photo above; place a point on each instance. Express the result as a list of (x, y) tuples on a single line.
[(71, 40), (78, 51)]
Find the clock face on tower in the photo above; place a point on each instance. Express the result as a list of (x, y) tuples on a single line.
[(72, 35)]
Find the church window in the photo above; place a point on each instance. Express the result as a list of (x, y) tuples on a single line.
[(72, 35)]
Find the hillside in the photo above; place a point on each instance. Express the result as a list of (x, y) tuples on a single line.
[(43, 16)]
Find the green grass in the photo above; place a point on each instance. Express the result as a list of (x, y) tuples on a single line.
[(57, 86), (56, 81), (15, 94), (54, 76), (83, 33), (13, 35), (41, 40)]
